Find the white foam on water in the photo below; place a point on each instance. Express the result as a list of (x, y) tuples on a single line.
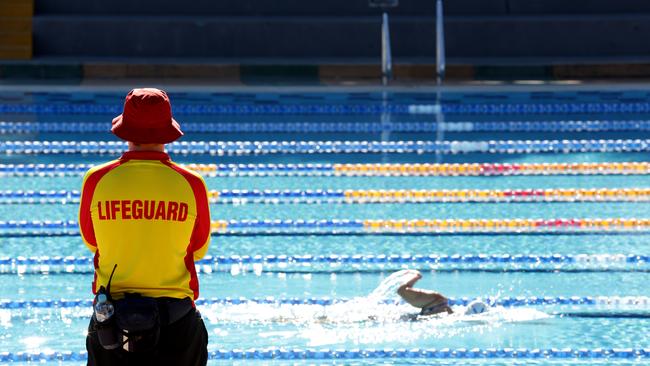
[(385, 328), (367, 320), (368, 309), (285, 334), (387, 289), (5, 318), (499, 314), (359, 309)]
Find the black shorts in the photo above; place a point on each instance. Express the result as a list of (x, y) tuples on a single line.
[(184, 342)]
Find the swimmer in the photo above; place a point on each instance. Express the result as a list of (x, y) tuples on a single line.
[(431, 302)]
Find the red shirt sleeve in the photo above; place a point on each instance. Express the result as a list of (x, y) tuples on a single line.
[(202, 226), (88, 186)]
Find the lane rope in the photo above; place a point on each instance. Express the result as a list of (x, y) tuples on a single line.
[(11, 127), (275, 353), (318, 196), (364, 227), (236, 264), (636, 302), (243, 148), (336, 108), (317, 170)]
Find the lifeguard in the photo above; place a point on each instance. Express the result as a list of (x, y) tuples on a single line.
[(147, 219)]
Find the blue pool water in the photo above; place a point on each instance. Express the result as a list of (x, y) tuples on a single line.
[(610, 311)]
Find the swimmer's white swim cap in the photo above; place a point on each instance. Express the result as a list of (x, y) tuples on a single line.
[(476, 307)]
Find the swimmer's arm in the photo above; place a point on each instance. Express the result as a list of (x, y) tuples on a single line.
[(415, 277), (418, 297)]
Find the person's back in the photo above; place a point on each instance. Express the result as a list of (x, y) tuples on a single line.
[(143, 212), (147, 220)]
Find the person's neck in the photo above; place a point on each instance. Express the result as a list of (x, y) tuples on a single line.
[(146, 147)]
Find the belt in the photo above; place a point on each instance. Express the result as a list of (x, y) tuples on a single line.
[(172, 309)]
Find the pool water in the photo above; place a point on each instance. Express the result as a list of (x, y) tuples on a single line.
[(340, 310)]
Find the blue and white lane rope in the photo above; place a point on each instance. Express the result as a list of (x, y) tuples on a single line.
[(354, 263), (362, 170), (363, 196), (289, 227), (627, 302), (180, 109), (243, 148), (279, 354), (8, 127)]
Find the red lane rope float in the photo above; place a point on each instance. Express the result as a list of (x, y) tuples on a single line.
[(488, 169), (507, 225), (515, 195)]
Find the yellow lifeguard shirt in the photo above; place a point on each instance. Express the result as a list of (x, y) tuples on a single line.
[(149, 216)]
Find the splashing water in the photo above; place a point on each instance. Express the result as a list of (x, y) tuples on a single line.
[(373, 307), (359, 309), (377, 307), (5, 318), (457, 326), (368, 319), (387, 289)]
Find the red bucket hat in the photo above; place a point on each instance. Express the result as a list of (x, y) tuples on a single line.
[(147, 118)]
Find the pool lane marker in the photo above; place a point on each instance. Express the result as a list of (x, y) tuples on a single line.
[(357, 196), (328, 264), (325, 106), (289, 227), (361, 170), (246, 148), (609, 302), (342, 126), (275, 353)]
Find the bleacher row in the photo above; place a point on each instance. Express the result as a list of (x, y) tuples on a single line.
[(292, 32), (477, 30)]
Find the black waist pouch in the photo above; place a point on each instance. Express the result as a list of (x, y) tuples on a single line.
[(107, 333), (138, 319)]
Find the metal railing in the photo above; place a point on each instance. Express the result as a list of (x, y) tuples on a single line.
[(386, 56), (440, 43)]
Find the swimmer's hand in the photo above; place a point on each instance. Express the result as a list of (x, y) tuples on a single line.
[(415, 276)]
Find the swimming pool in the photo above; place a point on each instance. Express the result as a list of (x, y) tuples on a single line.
[(536, 201)]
